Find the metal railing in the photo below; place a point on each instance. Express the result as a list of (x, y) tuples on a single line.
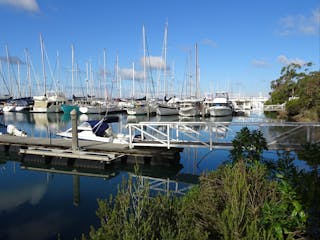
[(219, 134), (274, 108)]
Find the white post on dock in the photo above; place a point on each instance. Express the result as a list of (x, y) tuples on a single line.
[(75, 142)]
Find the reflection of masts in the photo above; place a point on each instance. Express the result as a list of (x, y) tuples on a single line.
[(76, 190)]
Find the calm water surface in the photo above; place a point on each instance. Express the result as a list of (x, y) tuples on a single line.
[(38, 201)]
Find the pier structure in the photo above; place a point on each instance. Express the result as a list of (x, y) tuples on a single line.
[(274, 108), (219, 135), (149, 139), (248, 103)]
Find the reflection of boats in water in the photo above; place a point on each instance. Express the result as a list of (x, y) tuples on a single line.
[(14, 117), (138, 118), (172, 118), (221, 127), (43, 121), (221, 119)]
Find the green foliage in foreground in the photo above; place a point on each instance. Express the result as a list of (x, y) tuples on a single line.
[(248, 145), (238, 201), (235, 202)]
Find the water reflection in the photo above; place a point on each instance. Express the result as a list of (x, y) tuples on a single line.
[(39, 200), (139, 118), (46, 226), (13, 198)]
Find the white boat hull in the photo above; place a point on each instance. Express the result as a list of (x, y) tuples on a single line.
[(137, 111), (167, 111), (92, 109), (188, 112), (89, 136), (220, 111), (8, 108)]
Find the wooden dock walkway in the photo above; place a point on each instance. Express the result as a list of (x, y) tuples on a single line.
[(90, 150)]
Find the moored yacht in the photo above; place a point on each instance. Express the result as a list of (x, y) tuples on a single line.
[(168, 108), (220, 106), (190, 108), (51, 102)]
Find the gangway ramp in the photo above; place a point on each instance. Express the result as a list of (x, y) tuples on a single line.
[(279, 135)]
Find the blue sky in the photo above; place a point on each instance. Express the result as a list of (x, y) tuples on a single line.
[(242, 45)]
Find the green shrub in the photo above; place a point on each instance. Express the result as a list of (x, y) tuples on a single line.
[(293, 107), (248, 144)]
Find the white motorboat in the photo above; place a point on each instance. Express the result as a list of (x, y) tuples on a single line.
[(51, 102), (95, 130), (165, 109), (221, 106), (190, 108), (8, 108)]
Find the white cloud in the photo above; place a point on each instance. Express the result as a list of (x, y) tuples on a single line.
[(209, 42), (300, 24), (12, 60), (28, 5), (127, 73), (259, 63), (286, 61), (153, 62)]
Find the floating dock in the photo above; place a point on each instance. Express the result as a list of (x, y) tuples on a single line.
[(89, 150)]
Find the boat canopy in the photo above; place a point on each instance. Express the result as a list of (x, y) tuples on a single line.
[(98, 127)]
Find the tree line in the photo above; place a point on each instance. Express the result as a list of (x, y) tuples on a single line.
[(299, 89)]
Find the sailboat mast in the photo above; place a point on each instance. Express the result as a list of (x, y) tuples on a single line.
[(87, 78), (26, 52), (43, 65), (117, 76), (165, 59), (133, 92), (19, 81), (9, 71), (197, 73), (72, 70), (58, 70), (105, 73), (144, 61)]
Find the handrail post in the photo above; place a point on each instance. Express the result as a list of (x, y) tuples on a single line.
[(168, 135), (210, 135), (130, 137), (141, 131)]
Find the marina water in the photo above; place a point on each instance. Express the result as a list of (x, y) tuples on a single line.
[(41, 201)]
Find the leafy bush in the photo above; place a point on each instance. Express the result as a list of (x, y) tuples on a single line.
[(293, 107), (248, 144), (237, 201)]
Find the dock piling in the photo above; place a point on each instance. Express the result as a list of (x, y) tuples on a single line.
[(75, 141)]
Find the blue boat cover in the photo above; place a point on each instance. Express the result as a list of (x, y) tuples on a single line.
[(98, 127)]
